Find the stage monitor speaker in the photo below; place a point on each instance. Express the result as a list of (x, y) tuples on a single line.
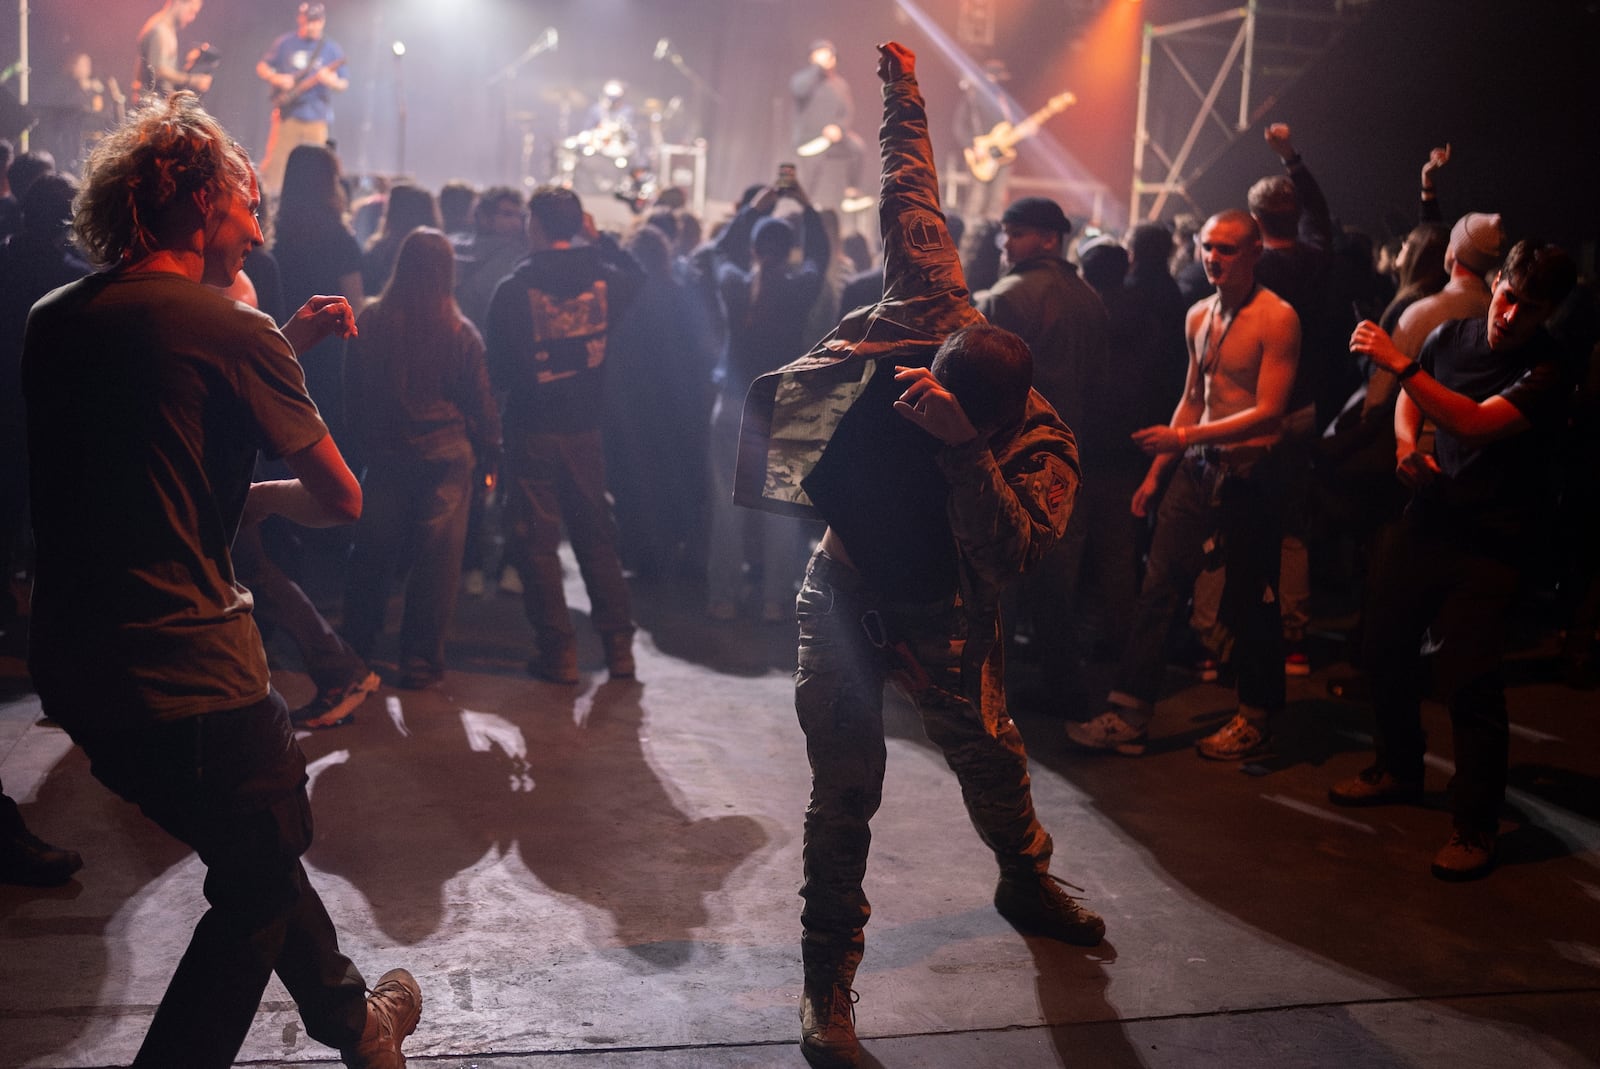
[(14, 117)]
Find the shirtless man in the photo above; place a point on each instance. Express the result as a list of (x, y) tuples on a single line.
[(156, 71), (1223, 501)]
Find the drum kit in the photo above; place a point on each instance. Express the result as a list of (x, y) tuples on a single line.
[(608, 157)]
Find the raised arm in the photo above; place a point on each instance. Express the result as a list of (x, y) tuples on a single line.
[(920, 261), (1316, 221), (1430, 212)]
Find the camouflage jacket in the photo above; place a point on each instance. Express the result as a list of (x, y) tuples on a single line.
[(820, 438)]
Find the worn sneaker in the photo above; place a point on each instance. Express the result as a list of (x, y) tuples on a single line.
[(1374, 786), (1107, 733), (828, 1024), (1467, 856), (393, 1009), (1037, 905), (1236, 739), (28, 861), (336, 706), (1296, 662)]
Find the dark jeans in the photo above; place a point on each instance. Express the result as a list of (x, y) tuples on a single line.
[(551, 479), (231, 785), (954, 679), (1424, 582), (414, 521), (1217, 509)]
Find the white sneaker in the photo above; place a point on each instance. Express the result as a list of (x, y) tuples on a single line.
[(1108, 733)]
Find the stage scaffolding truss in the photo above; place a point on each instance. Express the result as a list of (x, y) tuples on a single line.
[(1205, 81)]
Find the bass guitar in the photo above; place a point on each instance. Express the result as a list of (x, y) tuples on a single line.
[(283, 98), (989, 152)]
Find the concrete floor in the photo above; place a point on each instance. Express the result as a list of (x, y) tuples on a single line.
[(605, 876)]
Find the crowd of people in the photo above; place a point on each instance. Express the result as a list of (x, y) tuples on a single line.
[(1000, 439)]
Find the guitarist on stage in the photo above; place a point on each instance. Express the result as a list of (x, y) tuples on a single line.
[(983, 104), (156, 71), (304, 70)]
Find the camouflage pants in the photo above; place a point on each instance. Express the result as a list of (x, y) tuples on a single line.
[(851, 643)]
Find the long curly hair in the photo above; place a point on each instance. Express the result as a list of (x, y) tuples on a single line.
[(142, 177)]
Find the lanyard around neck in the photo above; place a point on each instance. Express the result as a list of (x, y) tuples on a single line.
[(1209, 358)]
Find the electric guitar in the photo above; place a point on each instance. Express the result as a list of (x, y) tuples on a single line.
[(989, 152), (201, 60), (282, 98)]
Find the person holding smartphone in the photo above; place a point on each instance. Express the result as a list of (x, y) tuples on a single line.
[(767, 305)]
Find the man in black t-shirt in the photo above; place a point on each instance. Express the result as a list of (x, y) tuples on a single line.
[(1497, 388), (149, 394)]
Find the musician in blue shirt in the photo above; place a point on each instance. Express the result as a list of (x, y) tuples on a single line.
[(304, 69)]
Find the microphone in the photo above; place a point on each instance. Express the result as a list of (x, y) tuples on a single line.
[(663, 46)]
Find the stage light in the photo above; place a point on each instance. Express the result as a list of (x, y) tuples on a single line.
[(398, 48)]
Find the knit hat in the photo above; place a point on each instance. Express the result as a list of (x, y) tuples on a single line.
[(1478, 241), (1041, 212)]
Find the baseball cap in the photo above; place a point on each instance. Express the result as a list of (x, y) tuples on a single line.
[(1041, 212)]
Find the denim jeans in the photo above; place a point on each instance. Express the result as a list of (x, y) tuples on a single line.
[(1212, 508), (416, 507), (553, 480)]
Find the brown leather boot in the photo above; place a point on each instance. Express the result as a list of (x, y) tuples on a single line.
[(828, 1021), (393, 1009)]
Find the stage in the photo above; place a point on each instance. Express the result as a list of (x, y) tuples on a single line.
[(606, 876)]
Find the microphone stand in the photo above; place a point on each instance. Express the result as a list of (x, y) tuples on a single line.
[(690, 73), (506, 78)]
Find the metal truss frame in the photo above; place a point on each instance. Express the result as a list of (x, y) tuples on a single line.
[(1263, 50)]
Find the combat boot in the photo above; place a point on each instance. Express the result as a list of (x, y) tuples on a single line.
[(1036, 904), (828, 1020)]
